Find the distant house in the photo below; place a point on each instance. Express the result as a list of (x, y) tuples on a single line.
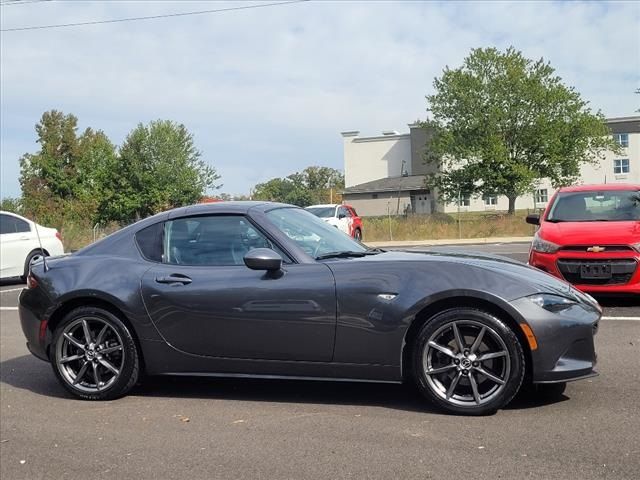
[(386, 174)]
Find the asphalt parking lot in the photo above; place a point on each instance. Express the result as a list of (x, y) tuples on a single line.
[(232, 428)]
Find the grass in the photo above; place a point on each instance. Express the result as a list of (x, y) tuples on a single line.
[(444, 226), (376, 229), (78, 235)]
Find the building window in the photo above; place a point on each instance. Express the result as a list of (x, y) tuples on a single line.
[(374, 195), (542, 195), (622, 139), (620, 166), (490, 200), (465, 201)]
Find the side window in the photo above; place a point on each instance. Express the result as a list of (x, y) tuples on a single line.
[(7, 224), (149, 242), (215, 240), (343, 212), (21, 226)]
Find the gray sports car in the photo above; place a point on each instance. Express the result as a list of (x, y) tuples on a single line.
[(269, 290)]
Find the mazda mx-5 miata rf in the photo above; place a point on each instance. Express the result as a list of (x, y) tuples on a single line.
[(270, 290)]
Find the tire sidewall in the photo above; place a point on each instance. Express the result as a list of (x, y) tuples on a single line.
[(129, 373), (516, 354), (30, 257)]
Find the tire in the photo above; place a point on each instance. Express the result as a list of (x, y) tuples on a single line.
[(461, 381), (27, 262), (357, 234), (89, 372)]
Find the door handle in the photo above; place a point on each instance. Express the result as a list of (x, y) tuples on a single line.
[(174, 278), (24, 237)]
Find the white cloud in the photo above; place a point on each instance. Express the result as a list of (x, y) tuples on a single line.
[(268, 90)]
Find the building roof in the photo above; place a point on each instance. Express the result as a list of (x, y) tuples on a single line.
[(390, 184)]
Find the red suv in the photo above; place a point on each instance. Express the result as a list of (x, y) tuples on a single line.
[(590, 236)]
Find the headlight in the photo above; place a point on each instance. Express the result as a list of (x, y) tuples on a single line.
[(543, 246), (552, 303)]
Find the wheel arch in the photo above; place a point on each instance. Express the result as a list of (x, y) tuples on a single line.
[(87, 300), (464, 299)]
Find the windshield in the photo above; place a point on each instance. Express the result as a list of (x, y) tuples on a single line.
[(314, 236), (322, 212), (594, 206)]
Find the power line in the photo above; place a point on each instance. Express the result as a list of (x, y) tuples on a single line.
[(152, 17), (8, 3)]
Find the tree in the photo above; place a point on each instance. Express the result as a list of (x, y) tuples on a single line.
[(502, 122), (9, 204), (158, 167), (59, 181), (312, 185)]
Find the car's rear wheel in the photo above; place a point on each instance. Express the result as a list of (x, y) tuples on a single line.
[(467, 361), (357, 234), (94, 354), (34, 255)]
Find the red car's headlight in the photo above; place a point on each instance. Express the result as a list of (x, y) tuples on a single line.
[(543, 246)]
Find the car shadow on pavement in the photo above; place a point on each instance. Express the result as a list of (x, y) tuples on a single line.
[(28, 373)]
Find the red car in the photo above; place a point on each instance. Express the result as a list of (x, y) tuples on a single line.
[(589, 235)]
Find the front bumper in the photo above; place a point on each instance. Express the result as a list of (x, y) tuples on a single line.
[(566, 347), (549, 263)]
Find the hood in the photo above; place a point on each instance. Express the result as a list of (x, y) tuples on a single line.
[(591, 233), (537, 280)]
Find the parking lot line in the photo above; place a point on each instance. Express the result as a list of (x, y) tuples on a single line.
[(8, 308), (636, 319), (11, 290)]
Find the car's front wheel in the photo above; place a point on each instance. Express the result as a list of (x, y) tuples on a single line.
[(94, 354), (467, 361)]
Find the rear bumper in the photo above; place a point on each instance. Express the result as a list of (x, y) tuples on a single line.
[(566, 347), (549, 263), (31, 327)]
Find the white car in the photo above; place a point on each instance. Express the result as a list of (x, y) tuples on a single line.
[(343, 217), (19, 244)]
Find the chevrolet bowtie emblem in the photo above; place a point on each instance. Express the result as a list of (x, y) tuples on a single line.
[(596, 249)]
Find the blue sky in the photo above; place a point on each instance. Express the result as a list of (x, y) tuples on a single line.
[(267, 91)]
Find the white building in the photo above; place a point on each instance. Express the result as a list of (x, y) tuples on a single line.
[(386, 173)]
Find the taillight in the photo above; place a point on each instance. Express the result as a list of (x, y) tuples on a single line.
[(58, 236), (32, 282)]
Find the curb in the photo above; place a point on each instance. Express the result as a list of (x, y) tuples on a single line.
[(449, 241)]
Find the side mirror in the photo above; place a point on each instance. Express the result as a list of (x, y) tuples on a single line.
[(263, 259), (341, 216), (533, 219)]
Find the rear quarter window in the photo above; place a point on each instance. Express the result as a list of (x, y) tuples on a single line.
[(149, 241)]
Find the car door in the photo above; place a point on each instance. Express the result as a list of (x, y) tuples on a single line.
[(205, 301), (344, 220), (15, 245)]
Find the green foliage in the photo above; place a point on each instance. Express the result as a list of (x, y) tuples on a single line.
[(311, 186), (84, 180), (13, 205), (158, 168), (58, 181), (502, 122)]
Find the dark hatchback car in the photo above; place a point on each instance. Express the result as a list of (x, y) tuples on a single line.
[(270, 290)]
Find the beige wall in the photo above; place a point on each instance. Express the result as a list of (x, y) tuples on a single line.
[(373, 158), (387, 202)]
